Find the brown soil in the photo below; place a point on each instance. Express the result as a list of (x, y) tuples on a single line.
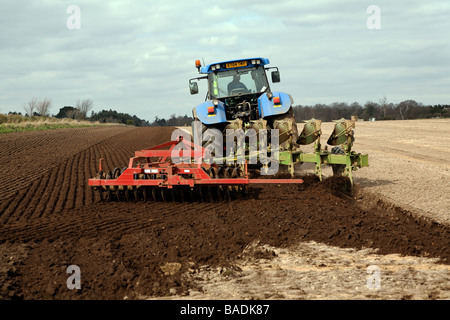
[(50, 220)]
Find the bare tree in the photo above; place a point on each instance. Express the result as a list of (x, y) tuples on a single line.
[(84, 106), (31, 106), (73, 114), (43, 107), (405, 106), (383, 104)]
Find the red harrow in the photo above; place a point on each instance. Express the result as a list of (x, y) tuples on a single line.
[(152, 175)]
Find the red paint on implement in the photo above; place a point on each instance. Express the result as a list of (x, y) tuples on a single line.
[(177, 174)]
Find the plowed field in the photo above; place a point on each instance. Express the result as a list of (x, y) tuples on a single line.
[(283, 241)]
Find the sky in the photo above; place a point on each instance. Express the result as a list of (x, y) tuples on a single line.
[(137, 57)]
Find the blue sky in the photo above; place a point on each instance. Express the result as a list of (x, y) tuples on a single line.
[(137, 56)]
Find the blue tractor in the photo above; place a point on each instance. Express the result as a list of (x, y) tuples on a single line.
[(239, 97)]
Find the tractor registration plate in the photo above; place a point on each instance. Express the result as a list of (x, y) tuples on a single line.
[(236, 64)]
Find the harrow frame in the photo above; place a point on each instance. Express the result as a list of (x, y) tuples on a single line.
[(164, 173)]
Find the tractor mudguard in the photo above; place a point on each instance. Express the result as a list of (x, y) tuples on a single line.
[(279, 104), (210, 114)]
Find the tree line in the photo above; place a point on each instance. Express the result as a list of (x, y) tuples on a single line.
[(112, 116), (41, 108), (80, 111), (173, 121), (381, 110)]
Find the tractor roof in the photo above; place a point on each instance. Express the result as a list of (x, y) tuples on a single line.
[(234, 64)]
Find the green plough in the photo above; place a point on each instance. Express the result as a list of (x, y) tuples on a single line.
[(341, 157)]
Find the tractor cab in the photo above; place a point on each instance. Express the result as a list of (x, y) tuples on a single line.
[(238, 90), (235, 78)]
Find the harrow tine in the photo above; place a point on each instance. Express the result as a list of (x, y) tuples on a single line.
[(100, 193), (145, 195), (187, 194), (127, 193), (210, 195), (212, 190), (108, 188), (219, 193), (116, 174), (109, 195), (136, 194), (154, 194), (100, 175), (118, 195), (227, 196), (181, 191), (191, 195), (200, 193), (163, 194)]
